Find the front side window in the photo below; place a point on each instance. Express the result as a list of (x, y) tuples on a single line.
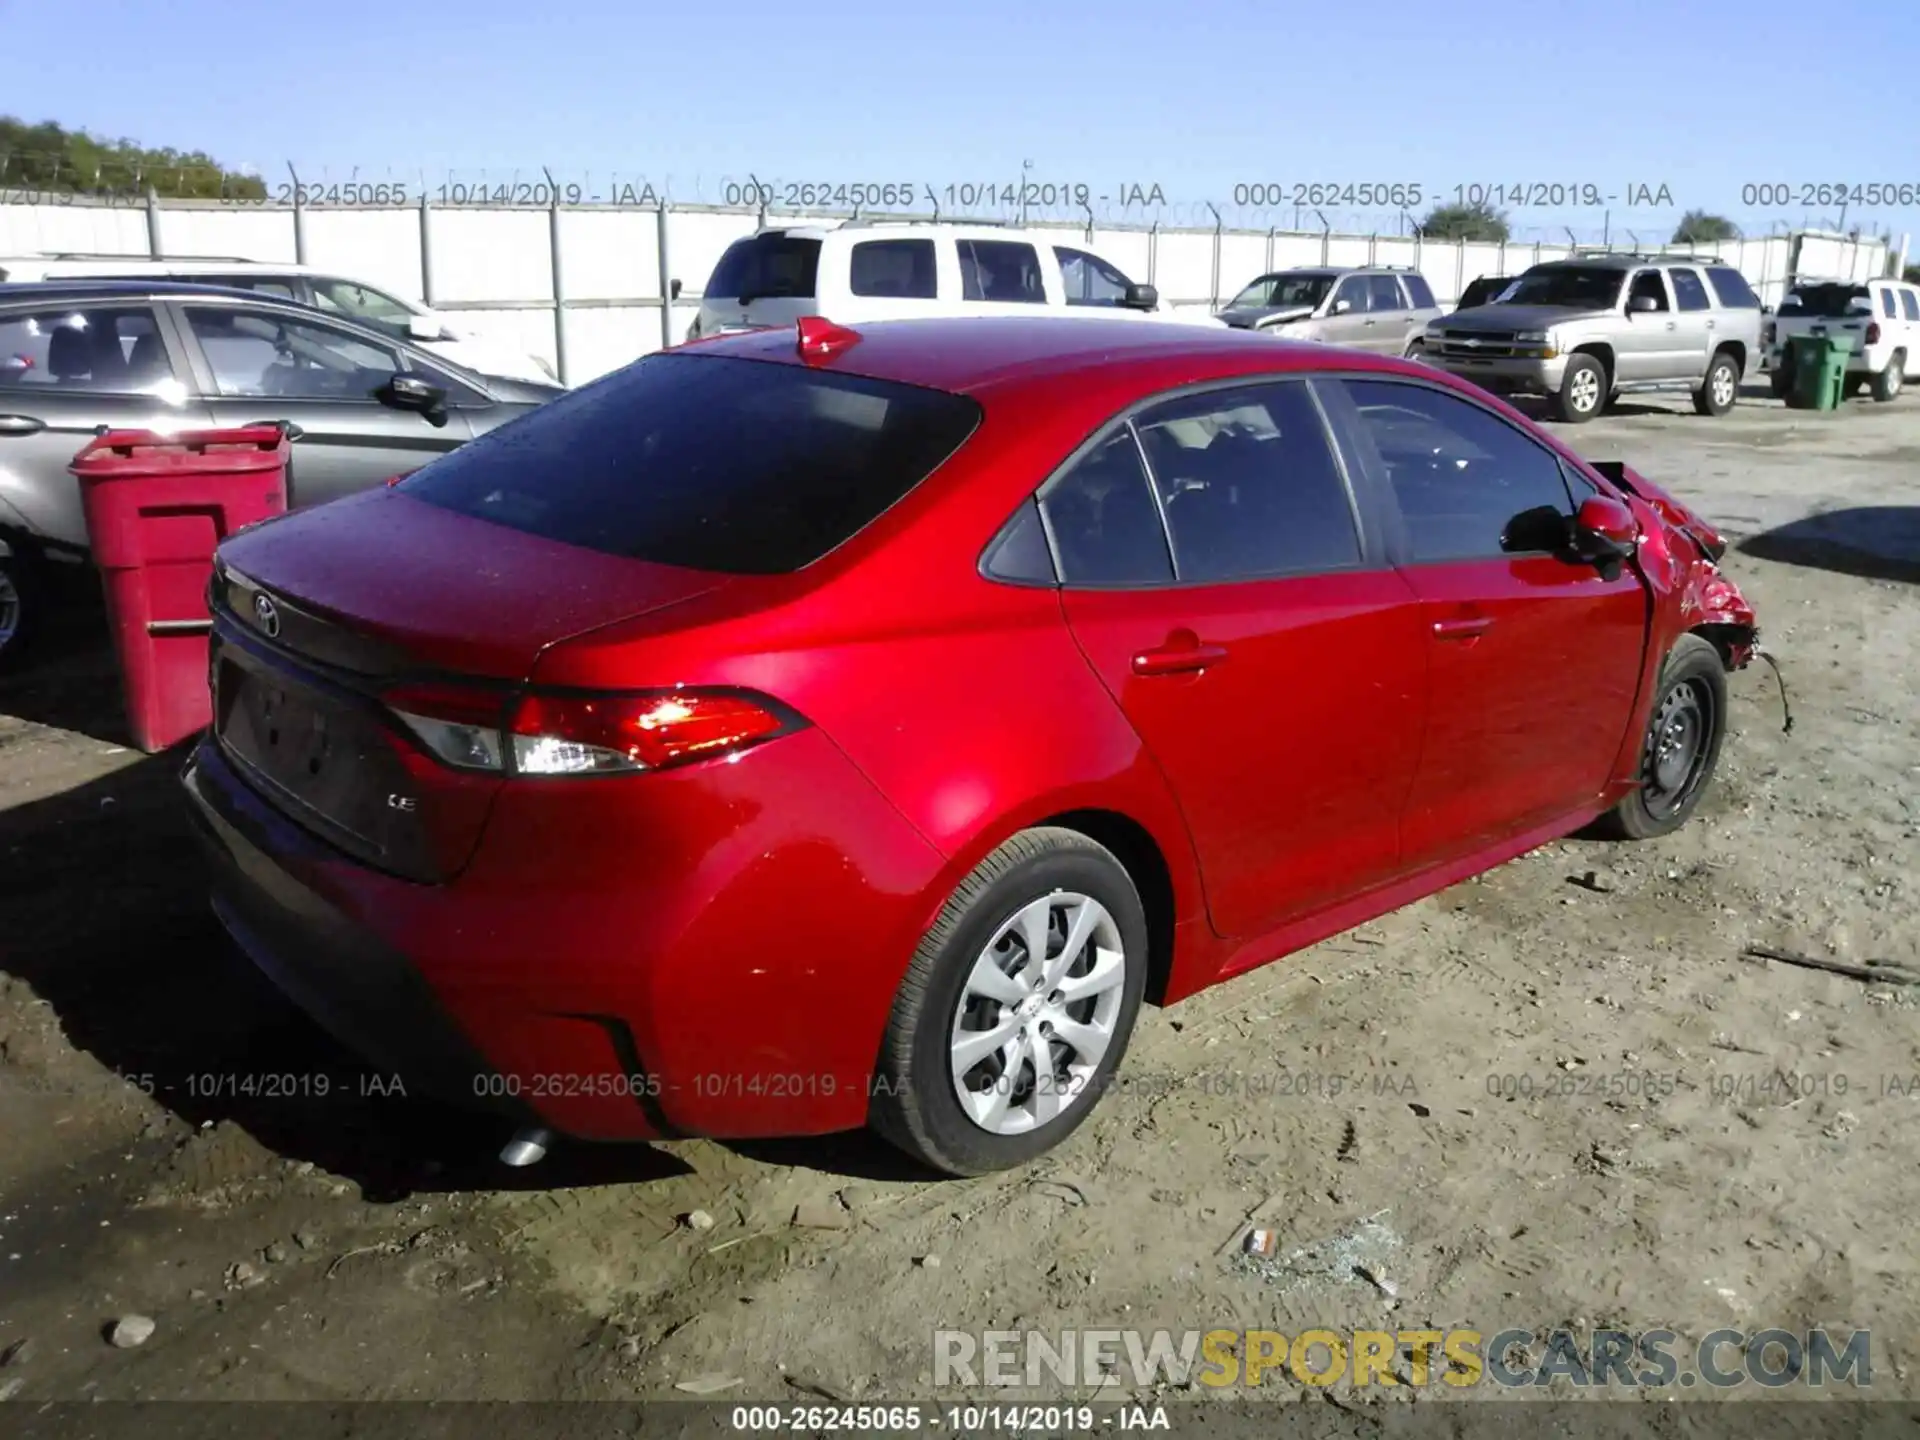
[(1352, 293), (1647, 285), (893, 269), (362, 303), (745, 467), (102, 349), (256, 353), (1468, 485), (1688, 290), (1001, 272), (1088, 279), (1249, 484)]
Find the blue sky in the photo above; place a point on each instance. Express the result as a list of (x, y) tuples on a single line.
[(1197, 96)]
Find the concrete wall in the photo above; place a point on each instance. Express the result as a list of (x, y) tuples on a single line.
[(584, 285)]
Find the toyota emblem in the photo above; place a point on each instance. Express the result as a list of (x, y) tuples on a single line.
[(268, 614)]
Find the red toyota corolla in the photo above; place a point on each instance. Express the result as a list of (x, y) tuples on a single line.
[(819, 727)]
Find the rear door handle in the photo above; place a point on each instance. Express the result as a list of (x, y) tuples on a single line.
[(21, 425), (1178, 659), (1467, 628), (1671, 324)]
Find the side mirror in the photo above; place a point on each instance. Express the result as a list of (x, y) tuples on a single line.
[(673, 289), (427, 327), (1140, 297), (1642, 305), (410, 392), (1766, 309), (1340, 307), (1604, 529)]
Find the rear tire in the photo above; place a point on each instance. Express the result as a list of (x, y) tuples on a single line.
[(1417, 350), (1888, 384), (1721, 388), (1681, 746), (974, 974), (1583, 390)]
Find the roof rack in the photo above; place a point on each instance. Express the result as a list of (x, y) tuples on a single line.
[(1651, 257), (151, 259)]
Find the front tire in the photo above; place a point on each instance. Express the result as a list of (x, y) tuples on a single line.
[(1017, 1007), (1889, 382), (1681, 747), (21, 603), (1721, 388), (1583, 390)]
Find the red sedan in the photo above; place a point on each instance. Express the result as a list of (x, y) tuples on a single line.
[(819, 727)]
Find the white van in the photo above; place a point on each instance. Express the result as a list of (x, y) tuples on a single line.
[(356, 300), (896, 270)]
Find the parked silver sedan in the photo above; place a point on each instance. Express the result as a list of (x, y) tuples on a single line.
[(77, 356)]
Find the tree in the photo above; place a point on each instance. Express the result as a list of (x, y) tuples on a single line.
[(48, 156), (1911, 275), (1479, 223), (1697, 227)]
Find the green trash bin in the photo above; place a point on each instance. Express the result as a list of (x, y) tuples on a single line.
[(1819, 371)]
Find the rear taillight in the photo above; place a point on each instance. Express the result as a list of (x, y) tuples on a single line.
[(586, 734), (1873, 333)]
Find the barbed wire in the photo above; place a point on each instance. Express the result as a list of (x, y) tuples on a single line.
[(33, 177)]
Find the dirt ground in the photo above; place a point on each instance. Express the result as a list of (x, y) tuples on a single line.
[(1554, 1095)]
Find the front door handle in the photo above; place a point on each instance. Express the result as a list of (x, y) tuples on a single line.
[(1177, 658), (1466, 628), (1671, 324), (21, 425)]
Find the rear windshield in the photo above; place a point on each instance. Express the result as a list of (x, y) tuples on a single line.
[(1829, 301), (748, 467), (763, 266)]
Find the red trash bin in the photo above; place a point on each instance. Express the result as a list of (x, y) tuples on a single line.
[(156, 505)]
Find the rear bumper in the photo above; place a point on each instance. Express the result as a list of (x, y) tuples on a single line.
[(712, 950)]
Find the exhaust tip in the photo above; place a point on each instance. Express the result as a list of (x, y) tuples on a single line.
[(529, 1147)]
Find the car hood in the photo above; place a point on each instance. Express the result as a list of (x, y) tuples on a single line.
[(1502, 318), (1249, 316)]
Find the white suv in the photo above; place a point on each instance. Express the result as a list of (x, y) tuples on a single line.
[(352, 299), (1881, 316), (896, 270)]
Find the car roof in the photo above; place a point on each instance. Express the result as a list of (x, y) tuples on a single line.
[(971, 355), (76, 264)]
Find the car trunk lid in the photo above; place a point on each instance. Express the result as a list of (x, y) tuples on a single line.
[(334, 624)]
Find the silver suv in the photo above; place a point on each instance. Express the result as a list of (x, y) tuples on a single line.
[(1382, 308), (1586, 330)]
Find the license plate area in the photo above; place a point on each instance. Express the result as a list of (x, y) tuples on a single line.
[(324, 759)]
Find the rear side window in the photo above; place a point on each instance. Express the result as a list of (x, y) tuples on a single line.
[(1910, 304), (893, 269), (63, 350), (1688, 290), (1249, 484), (1419, 290), (1001, 272), (1383, 294), (1886, 303), (1105, 525), (1731, 288), (763, 266), (747, 467)]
